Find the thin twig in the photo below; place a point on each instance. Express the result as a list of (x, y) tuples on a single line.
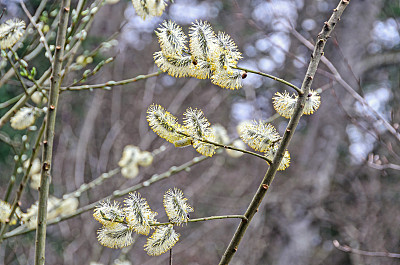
[(17, 74), (290, 129), (202, 219), (42, 37), (11, 101), (11, 72), (49, 133), (298, 90), (235, 216), (24, 180), (347, 87), (6, 139), (348, 249), (21, 102), (229, 147), (384, 166), (109, 84)]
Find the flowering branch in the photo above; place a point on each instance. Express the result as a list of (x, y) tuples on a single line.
[(116, 194), (290, 129), (189, 220), (4, 78), (298, 90)]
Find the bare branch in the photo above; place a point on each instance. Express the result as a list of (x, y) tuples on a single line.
[(346, 86), (49, 133), (348, 249)]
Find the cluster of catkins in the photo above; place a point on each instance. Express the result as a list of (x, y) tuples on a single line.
[(211, 55), (196, 131), (10, 32), (136, 216)]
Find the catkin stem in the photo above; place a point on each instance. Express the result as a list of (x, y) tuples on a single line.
[(298, 90)]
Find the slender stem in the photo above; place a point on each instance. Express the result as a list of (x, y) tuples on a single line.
[(24, 180), (42, 37), (6, 139), (208, 218), (348, 249), (116, 194), (11, 101), (111, 83), (10, 72), (21, 102), (17, 74), (298, 90), (17, 164), (10, 187), (230, 147), (49, 133), (348, 88), (290, 129), (244, 218)]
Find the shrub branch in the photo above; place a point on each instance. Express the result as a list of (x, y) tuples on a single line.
[(45, 179), (290, 129)]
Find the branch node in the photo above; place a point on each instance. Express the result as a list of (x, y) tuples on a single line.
[(326, 26), (265, 186), (46, 166)]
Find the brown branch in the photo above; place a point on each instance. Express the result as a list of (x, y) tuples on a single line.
[(348, 249), (290, 129), (45, 178)]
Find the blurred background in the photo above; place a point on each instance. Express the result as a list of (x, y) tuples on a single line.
[(343, 181)]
